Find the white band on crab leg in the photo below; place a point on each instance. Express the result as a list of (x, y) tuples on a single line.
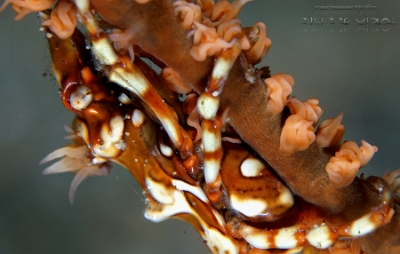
[(208, 104), (211, 139), (213, 237), (321, 237), (375, 219), (171, 199), (104, 52), (284, 238), (131, 78), (136, 82)]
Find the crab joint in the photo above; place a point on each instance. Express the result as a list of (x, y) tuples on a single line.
[(129, 76)]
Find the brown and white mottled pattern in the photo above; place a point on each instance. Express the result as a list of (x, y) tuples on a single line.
[(265, 191)]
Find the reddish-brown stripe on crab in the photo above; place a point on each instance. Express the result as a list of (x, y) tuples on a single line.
[(211, 140), (379, 216), (250, 186), (128, 76), (285, 238), (208, 105), (322, 235), (208, 102), (153, 31), (136, 82), (170, 192), (99, 126)]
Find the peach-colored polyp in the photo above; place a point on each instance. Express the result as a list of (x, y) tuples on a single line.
[(343, 167), (279, 87), (63, 19)]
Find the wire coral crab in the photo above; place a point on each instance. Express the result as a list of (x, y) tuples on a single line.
[(126, 114)]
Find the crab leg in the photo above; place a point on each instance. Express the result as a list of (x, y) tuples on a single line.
[(170, 192), (208, 105), (128, 76), (322, 235), (177, 196)]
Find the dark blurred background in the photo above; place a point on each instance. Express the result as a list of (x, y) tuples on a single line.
[(349, 67)]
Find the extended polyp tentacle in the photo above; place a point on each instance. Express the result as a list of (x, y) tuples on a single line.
[(24, 7), (279, 87), (188, 12), (298, 130), (343, 167), (308, 110), (128, 76), (330, 132), (260, 43), (63, 19)]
